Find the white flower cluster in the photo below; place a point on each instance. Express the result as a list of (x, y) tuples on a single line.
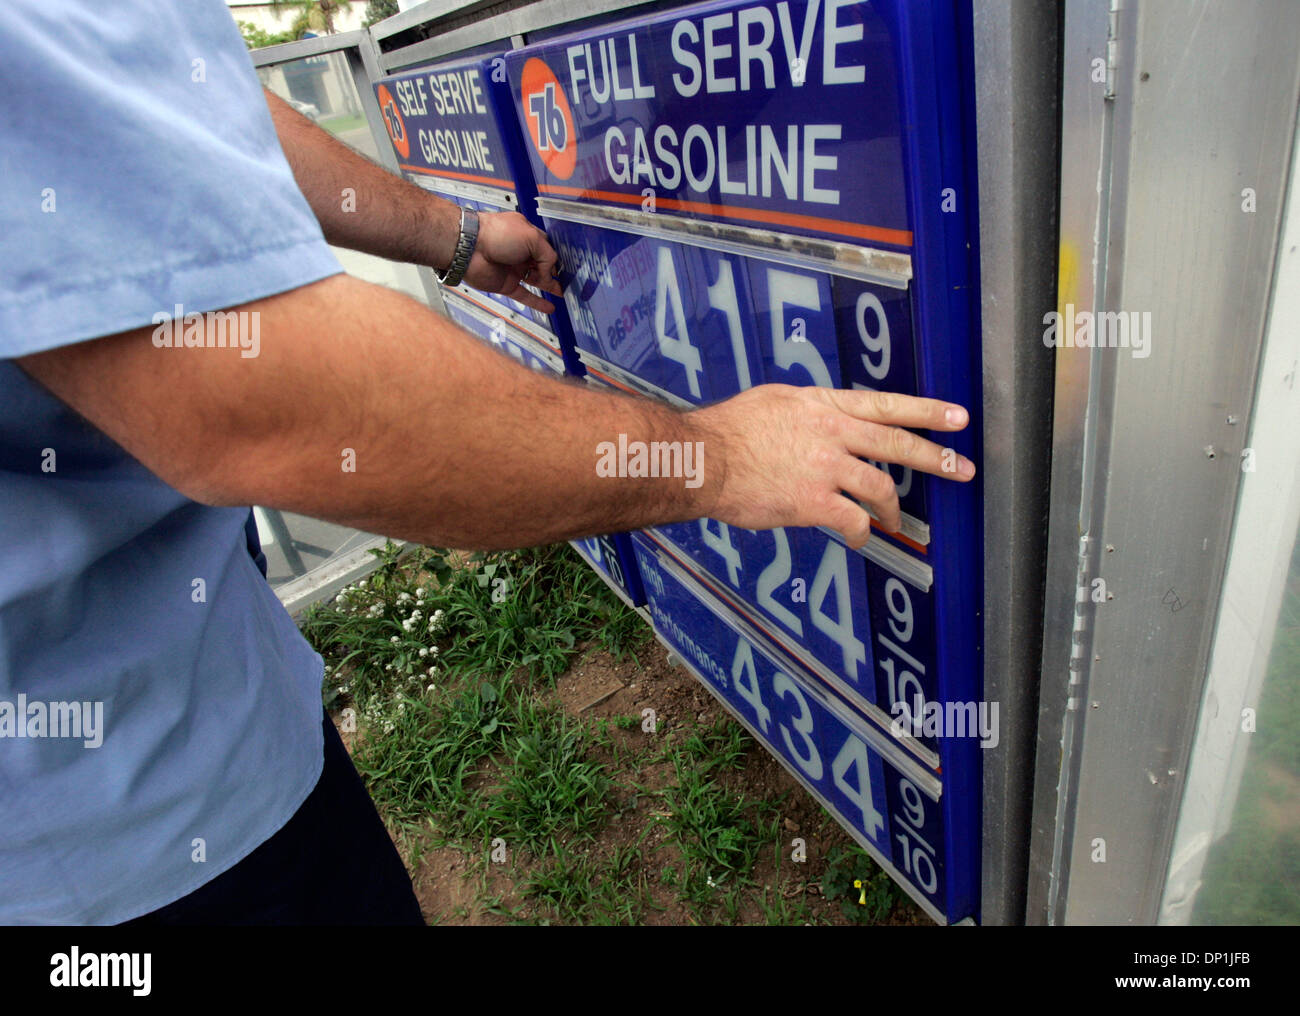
[(381, 712), (375, 716), (347, 593)]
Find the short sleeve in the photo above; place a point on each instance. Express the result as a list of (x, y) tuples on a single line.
[(139, 171)]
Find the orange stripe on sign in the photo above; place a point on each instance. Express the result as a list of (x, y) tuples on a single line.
[(898, 237), (491, 181), (610, 381), (920, 548)]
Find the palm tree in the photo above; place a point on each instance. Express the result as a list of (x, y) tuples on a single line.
[(313, 15)]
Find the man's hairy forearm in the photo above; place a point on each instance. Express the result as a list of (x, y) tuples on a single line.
[(359, 204), (455, 444), (364, 408)]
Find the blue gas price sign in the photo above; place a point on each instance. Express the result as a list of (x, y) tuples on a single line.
[(443, 122), (740, 112), (782, 191), (895, 808), (454, 132)]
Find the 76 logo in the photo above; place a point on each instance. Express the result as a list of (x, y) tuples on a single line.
[(395, 126), (393, 121), (552, 132)]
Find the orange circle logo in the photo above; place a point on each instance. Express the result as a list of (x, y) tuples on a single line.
[(550, 121), (393, 121)]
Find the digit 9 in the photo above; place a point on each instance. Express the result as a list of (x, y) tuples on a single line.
[(899, 614), (913, 803), (869, 304)]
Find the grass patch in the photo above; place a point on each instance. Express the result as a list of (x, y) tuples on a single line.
[(443, 666), (424, 759), (719, 831), (550, 789), (576, 889)]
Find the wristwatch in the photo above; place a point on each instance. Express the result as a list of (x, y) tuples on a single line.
[(464, 248)]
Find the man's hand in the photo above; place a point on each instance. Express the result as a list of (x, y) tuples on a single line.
[(791, 451), (512, 251)]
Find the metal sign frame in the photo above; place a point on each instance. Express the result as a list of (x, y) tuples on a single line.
[(1017, 106)]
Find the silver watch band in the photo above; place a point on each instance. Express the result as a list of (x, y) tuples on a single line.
[(465, 244)]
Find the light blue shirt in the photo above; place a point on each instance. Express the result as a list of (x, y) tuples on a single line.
[(138, 170)]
